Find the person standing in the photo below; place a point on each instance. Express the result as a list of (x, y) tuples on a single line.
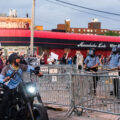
[(113, 58), (91, 64), (1, 60), (69, 61), (114, 63), (64, 58), (79, 60)]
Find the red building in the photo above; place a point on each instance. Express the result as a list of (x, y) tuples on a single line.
[(58, 43), (16, 38), (94, 27)]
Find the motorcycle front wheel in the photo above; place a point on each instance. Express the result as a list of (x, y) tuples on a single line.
[(39, 112)]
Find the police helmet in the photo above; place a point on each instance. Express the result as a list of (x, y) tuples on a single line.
[(13, 57), (91, 52), (118, 48), (114, 50)]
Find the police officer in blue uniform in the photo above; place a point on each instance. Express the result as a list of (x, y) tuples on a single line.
[(91, 61), (113, 64), (91, 64), (116, 80), (114, 58)]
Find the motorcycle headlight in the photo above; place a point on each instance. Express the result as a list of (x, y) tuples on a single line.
[(31, 89)]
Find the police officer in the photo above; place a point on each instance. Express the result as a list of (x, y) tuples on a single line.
[(91, 61), (116, 80), (113, 64), (114, 58), (91, 64)]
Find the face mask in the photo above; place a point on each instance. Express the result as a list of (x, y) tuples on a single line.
[(16, 64), (114, 52), (92, 55)]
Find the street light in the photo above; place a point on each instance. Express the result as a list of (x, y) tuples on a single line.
[(32, 28)]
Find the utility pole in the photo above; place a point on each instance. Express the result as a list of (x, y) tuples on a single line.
[(32, 28)]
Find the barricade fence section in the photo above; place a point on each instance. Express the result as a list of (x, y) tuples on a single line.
[(55, 89), (97, 92), (58, 69), (92, 91)]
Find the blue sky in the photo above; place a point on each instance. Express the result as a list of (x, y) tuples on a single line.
[(49, 14)]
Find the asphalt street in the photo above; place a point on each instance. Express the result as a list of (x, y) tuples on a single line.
[(60, 115)]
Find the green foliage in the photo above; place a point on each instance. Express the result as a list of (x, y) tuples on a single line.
[(110, 33)]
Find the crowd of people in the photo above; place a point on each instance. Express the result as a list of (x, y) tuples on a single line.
[(66, 59), (78, 59)]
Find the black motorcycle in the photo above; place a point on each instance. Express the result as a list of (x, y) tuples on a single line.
[(22, 107)]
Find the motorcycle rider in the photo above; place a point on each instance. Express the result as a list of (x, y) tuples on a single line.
[(12, 83), (91, 63)]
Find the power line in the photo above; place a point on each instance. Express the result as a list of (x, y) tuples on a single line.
[(84, 11), (88, 8)]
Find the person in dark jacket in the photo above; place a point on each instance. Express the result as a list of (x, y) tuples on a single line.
[(22, 60), (1, 60), (64, 58)]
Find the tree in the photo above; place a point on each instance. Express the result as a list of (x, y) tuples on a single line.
[(111, 33)]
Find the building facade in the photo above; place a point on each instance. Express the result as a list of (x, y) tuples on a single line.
[(8, 23), (94, 28), (14, 23)]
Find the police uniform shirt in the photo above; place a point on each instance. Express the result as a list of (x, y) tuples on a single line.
[(114, 60), (91, 61)]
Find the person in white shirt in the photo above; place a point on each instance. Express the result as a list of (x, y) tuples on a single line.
[(79, 60)]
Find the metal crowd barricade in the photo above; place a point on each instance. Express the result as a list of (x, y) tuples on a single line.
[(58, 69), (55, 89), (80, 91), (102, 100)]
